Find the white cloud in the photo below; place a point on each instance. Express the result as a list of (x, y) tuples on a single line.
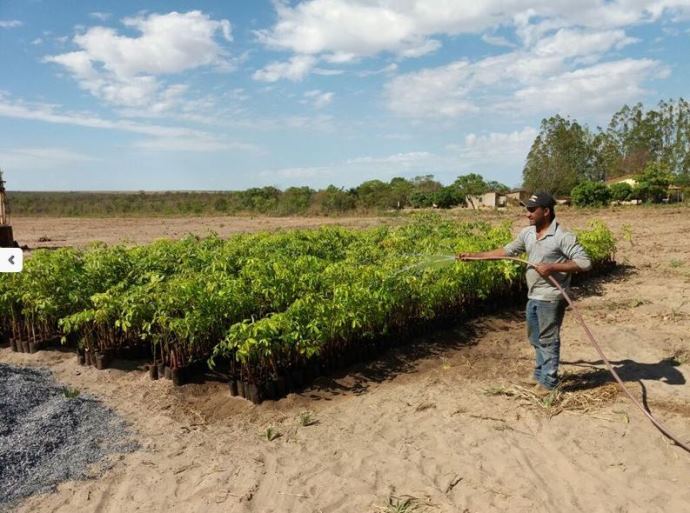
[(204, 144), (295, 69), (390, 68), (327, 72), (523, 75), (51, 114), (317, 98), (418, 50), (40, 158), (576, 42), (367, 27), (102, 16), (432, 92), (124, 70), (487, 146), (598, 89), (8, 24), (398, 158), (497, 41), (37, 41), (348, 30), (299, 173)]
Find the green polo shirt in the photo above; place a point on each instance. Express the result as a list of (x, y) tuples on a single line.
[(556, 246)]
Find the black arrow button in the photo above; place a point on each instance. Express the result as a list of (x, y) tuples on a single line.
[(11, 260)]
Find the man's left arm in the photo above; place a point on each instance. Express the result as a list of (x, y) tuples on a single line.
[(578, 259)]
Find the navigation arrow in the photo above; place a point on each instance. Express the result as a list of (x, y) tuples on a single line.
[(11, 259)]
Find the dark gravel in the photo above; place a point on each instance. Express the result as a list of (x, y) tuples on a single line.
[(50, 434)]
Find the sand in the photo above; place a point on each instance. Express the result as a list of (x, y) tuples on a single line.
[(443, 424)]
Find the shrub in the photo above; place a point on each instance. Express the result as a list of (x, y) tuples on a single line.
[(621, 191), (591, 194)]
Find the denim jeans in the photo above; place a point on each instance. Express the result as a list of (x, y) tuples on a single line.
[(544, 320)]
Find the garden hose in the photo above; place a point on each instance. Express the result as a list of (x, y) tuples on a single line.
[(613, 372)]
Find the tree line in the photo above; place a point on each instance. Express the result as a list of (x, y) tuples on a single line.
[(652, 145), (370, 196)]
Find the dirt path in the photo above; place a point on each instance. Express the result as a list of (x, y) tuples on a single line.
[(442, 421)]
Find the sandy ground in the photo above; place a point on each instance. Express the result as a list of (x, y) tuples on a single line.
[(443, 422), (52, 232)]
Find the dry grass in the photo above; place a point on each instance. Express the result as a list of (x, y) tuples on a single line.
[(570, 396), (405, 504)]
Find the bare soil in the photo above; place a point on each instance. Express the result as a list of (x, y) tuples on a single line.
[(445, 423)]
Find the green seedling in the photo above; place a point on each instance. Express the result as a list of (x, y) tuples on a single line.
[(306, 418), (402, 505), (70, 393), (627, 234), (271, 434)]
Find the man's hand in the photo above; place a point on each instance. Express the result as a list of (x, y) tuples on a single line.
[(544, 270), (463, 256)]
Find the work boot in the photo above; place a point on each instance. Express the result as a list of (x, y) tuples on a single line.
[(528, 382), (541, 391)]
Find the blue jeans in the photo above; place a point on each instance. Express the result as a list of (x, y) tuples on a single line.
[(544, 319)]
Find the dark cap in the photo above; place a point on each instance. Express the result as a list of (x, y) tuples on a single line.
[(540, 199)]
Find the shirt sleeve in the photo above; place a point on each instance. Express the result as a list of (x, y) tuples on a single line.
[(517, 247), (574, 251)]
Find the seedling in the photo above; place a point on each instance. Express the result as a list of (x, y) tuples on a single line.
[(627, 234), (402, 505), (306, 418), (271, 434), (70, 393)]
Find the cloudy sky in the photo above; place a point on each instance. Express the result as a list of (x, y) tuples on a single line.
[(163, 95)]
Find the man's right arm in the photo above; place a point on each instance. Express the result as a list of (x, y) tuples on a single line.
[(499, 252)]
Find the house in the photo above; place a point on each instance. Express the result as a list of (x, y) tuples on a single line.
[(674, 194), (486, 200), (517, 196)]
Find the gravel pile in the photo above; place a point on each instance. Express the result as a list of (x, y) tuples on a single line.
[(50, 434)]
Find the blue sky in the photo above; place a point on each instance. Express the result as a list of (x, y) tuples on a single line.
[(166, 95)]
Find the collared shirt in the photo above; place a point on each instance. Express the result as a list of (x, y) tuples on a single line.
[(556, 246)]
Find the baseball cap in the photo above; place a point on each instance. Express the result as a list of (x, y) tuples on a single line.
[(540, 199)]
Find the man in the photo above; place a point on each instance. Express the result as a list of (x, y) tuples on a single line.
[(553, 252)]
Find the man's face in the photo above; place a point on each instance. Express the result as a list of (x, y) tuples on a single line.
[(536, 216)]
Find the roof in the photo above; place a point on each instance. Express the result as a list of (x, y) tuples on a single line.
[(622, 178)]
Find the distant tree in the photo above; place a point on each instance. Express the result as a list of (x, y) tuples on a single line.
[(333, 200), (420, 199), (561, 156), (636, 136), (399, 192), (221, 204), (259, 199), (295, 200), (471, 184), (373, 194), (447, 197), (653, 182), (494, 186), (426, 183)]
